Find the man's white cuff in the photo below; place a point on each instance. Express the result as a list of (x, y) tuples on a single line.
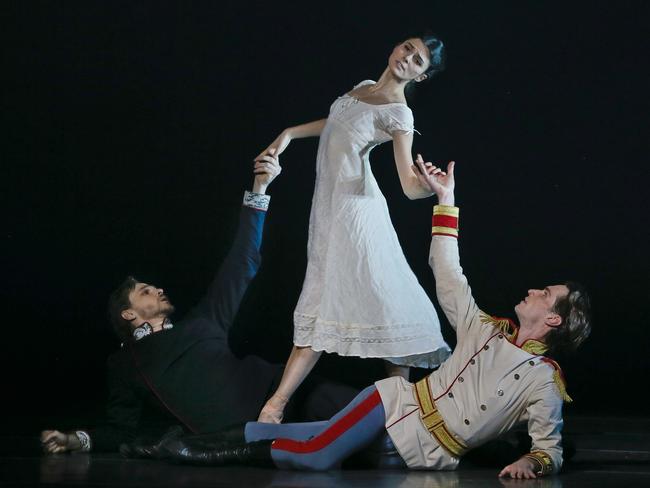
[(256, 200)]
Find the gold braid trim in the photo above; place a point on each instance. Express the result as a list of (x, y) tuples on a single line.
[(535, 347), (438, 229), (543, 461), (531, 346), (434, 422), (559, 380), (501, 324), (449, 210), (561, 386)]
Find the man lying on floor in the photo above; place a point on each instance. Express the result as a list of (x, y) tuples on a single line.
[(496, 378), (183, 375)]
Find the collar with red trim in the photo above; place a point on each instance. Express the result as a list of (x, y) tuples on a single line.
[(510, 329)]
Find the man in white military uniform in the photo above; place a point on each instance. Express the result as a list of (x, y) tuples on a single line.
[(496, 378)]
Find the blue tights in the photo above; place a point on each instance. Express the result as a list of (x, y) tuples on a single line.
[(324, 445)]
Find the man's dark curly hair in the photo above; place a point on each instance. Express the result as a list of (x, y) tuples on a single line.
[(575, 311), (119, 301)]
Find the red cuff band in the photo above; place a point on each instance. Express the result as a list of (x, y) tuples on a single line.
[(444, 221)]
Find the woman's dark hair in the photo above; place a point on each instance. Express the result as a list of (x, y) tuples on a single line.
[(437, 58), (117, 303), (437, 54), (575, 310)]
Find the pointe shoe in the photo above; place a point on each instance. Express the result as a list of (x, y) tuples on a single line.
[(273, 411)]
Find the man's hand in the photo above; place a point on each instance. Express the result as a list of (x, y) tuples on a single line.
[(267, 167), (436, 180), (54, 441), (523, 468)]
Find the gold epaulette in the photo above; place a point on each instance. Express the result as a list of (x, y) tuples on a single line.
[(504, 325), (558, 377)]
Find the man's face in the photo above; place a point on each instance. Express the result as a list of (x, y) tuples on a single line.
[(538, 304), (149, 302)]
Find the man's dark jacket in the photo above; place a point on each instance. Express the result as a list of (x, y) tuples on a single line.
[(188, 375)]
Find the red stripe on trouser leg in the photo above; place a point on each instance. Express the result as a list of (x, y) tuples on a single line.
[(333, 432), (444, 221)]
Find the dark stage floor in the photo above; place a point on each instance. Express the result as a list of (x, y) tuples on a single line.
[(608, 452)]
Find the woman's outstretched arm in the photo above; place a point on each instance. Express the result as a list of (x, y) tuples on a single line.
[(310, 129), (402, 143)]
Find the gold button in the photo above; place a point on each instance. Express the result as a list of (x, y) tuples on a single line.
[(450, 395), (500, 392), (486, 347), (460, 379), (532, 363), (483, 407), (466, 422), (516, 376), (472, 361)]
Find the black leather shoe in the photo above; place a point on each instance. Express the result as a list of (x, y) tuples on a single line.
[(250, 454), (203, 442), (233, 434), (150, 448)]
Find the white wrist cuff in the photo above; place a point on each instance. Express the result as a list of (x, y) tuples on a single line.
[(256, 200), (84, 440)]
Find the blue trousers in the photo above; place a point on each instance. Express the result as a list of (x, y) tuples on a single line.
[(324, 445)]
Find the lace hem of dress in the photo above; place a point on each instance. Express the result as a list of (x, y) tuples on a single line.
[(416, 346), (306, 321), (400, 353)]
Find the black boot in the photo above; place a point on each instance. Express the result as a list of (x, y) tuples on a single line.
[(204, 442), (150, 447), (233, 434), (250, 454)]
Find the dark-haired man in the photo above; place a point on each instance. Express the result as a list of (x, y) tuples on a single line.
[(496, 378), (183, 373)]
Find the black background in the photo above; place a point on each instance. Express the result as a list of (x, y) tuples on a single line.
[(129, 128)]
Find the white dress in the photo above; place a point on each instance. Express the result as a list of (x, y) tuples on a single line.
[(360, 297)]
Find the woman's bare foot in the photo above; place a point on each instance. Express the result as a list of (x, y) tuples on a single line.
[(397, 370), (273, 411)]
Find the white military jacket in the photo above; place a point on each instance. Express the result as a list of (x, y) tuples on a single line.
[(485, 388)]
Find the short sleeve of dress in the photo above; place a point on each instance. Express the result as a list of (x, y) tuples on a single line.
[(363, 83), (397, 117)]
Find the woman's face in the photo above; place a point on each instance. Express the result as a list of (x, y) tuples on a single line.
[(409, 60)]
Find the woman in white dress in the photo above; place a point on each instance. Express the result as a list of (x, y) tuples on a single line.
[(360, 297)]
